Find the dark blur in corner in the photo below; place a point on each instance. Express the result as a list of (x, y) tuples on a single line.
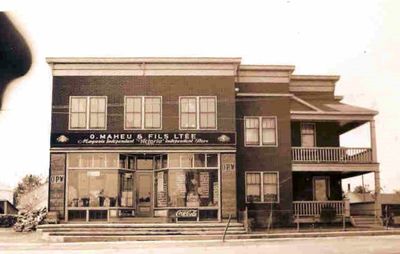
[(15, 56)]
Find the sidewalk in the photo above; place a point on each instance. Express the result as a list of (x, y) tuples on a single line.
[(9, 237)]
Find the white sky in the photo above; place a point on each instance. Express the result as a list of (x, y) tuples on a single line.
[(359, 40)]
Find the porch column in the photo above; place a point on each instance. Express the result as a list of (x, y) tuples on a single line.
[(373, 140), (378, 207)]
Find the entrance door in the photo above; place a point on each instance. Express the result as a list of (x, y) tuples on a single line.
[(144, 193), (321, 188)]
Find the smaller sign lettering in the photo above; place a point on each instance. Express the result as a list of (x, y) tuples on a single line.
[(228, 167), (57, 179)]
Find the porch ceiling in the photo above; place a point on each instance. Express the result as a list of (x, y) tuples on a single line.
[(346, 169)]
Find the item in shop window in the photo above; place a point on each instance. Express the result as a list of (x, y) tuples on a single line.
[(192, 199), (215, 193), (106, 202), (204, 188)]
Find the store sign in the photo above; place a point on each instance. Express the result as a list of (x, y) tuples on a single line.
[(56, 179), (228, 167), (141, 139), (192, 213)]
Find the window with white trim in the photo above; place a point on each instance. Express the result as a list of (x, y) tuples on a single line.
[(198, 112), (262, 187), (260, 131), (143, 112), (307, 134), (88, 112)]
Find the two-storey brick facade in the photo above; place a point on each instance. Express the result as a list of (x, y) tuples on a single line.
[(196, 139)]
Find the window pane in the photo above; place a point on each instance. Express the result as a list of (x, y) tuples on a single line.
[(82, 120), (94, 105), (192, 121), (156, 121), (137, 104), (211, 105), (203, 120), (268, 123), (93, 121), (211, 120), (73, 160), (192, 105), (307, 140), (268, 136), (74, 120), (82, 105), (101, 121), (184, 105), (253, 187), (203, 105), (174, 160), (270, 178), (137, 120), (86, 160), (186, 160), (112, 160), (252, 136), (148, 121), (184, 120), (199, 160), (212, 160)]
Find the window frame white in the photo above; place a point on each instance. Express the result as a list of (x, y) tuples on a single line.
[(197, 98), (261, 173), (260, 130), (87, 125), (142, 112)]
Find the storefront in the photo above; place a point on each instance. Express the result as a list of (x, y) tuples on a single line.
[(170, 176), (114, 185)]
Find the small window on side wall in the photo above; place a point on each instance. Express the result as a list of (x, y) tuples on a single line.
[(262, 187), (260, 131)]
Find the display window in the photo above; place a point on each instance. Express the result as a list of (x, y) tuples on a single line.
[(100, 185)]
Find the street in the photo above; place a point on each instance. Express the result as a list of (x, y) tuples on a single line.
[(364, 245)]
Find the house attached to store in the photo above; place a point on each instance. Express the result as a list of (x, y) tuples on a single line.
[(198, 139)]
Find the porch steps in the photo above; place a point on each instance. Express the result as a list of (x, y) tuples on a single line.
[(365, 221), (139, 232)]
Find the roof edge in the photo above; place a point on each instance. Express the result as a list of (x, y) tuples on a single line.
[(316, 77), (105, 60), (247, 67)]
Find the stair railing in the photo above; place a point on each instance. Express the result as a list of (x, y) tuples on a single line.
[(226, 228)]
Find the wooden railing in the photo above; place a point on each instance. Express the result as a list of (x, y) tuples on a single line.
[(313, 208), (332, 154)]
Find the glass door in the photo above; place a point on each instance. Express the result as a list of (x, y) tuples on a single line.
[(144, 193)]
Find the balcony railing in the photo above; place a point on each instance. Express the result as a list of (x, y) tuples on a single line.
[(332, 155), (313, 208)]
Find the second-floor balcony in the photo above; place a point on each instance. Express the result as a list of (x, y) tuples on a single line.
[(332, 155)]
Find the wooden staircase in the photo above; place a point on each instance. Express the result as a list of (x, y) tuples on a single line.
[(138, 232), (365, 221)]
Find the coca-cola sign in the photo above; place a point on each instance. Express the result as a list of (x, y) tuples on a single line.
[(186, 213)]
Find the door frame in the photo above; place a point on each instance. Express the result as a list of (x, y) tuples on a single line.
[(328, 185), (149, 173)]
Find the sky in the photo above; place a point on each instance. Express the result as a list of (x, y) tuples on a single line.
[(358, 40)]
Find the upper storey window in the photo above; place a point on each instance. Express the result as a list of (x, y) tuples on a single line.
[(307, 134), (88, 112), (143, 112), (198, 112), (260, 131)]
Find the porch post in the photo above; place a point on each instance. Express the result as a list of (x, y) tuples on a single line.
[(378, 208), (373, 140)]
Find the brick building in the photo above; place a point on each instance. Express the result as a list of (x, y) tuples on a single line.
[(198, 139)]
